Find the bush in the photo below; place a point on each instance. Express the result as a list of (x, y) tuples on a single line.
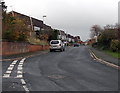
[(95, 45), (14, 29), (8, 35), (105, 39), (115, 45), (22, 37)]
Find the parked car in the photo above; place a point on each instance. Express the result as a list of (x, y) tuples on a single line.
[(76, 45), (57, 45)]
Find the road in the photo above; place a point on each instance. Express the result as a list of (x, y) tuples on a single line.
[(72, 70)]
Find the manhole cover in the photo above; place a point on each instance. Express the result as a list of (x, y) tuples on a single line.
[(56, 76)]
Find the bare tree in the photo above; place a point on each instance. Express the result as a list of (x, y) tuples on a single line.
[(95, 30)]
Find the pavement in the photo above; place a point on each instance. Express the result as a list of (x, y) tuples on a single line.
[(72, 70), (20, 56), (102, 55)]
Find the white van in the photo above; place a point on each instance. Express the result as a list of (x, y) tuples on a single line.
[(57, 45)]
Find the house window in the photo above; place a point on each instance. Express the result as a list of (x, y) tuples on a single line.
[(36, 28)]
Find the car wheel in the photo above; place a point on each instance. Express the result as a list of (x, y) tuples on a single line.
[(61, 50), (51, 50)]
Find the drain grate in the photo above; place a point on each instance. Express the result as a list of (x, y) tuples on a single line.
[(56, 76)]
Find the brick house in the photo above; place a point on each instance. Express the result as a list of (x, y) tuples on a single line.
[(77, 39), (91, 41), (32, 23)]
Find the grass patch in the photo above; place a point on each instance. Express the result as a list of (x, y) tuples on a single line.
[(37, 41), (114, 54)]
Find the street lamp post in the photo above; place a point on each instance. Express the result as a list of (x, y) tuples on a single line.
[(44, 20)]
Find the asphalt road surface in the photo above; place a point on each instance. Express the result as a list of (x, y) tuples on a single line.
[(72, 70)]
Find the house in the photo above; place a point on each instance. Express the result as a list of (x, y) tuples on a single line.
[(33, 23), (62, 35), (77, 39), (91, 41), (46, 27), (70, 38)]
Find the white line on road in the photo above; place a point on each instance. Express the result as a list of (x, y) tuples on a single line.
[(20, 68), (6, 75), (23, 81), (11, 65), (26, 89), (10, 68), (20, 76), (15, 61), (20, 65), (19, 72), (21, 62), (8, 72)]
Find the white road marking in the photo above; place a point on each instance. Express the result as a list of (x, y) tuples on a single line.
[(23, 81), (8, 72), (91, 55), (12, 65), (26, 89), (15, 61), (22, 61), (20, 65), (19, 76), (6, 75), (19, 68), (19, 72), (10, 68)]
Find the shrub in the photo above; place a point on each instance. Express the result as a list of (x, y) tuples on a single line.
[(14, 29), (22, 37), (8, 35), (95, 45), (115, 45)]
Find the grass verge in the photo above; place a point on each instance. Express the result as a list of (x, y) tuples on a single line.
[(113, 54), (36, 41)]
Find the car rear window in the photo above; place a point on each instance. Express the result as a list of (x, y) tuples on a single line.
[(55, 42)]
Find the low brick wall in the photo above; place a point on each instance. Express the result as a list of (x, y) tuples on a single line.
[(10, 48)]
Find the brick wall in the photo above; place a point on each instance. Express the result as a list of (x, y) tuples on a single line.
[(10, 48)]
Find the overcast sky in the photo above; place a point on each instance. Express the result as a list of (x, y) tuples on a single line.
[(73, 16)]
